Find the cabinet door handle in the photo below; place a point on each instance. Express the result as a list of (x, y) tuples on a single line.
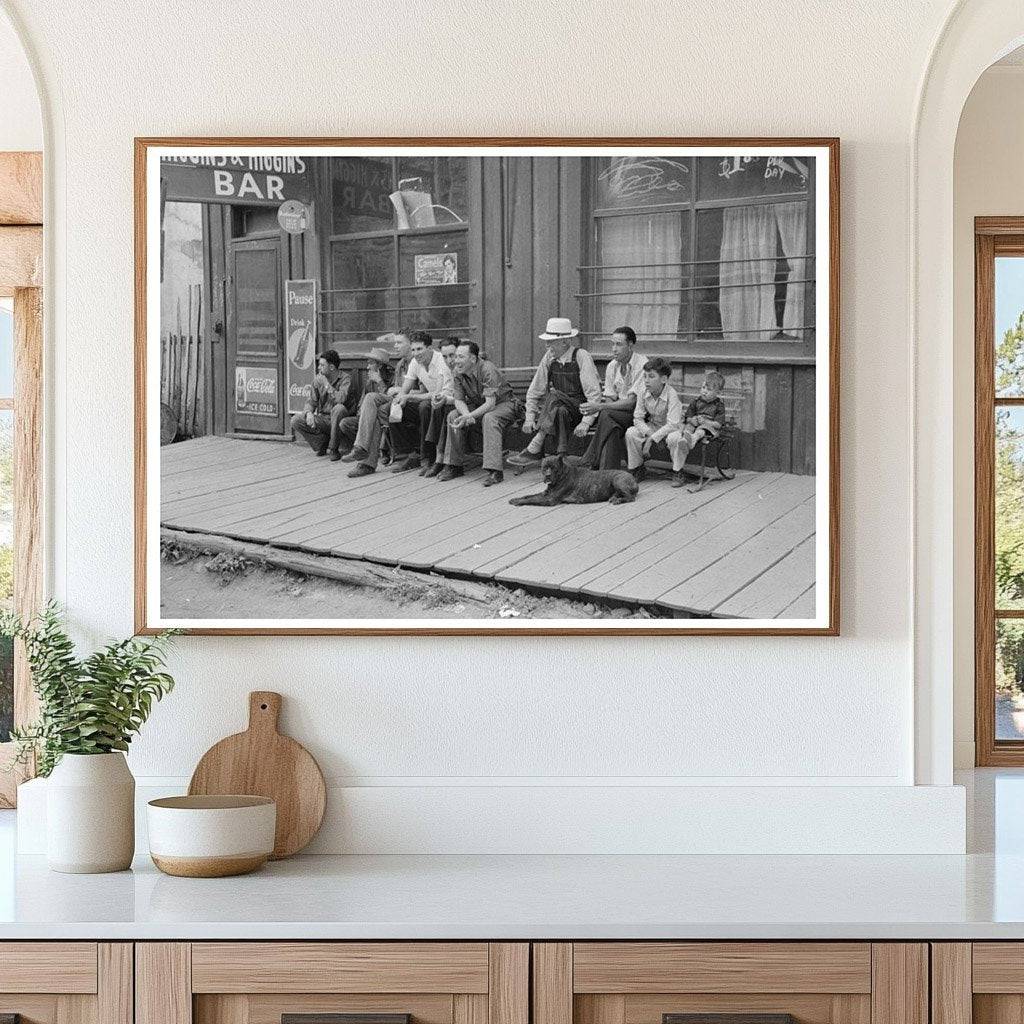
[(728, 1018), (339, 1018)]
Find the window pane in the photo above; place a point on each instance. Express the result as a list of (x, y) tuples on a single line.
[(1009, 525), (439, 263), (641, 277), (361, 190), (746, 177), (707, 274), (6, 348), (361, 266), (752, 273), (433, 190), (643, 181), (6, 567), (1009, 324), (1009, 679)]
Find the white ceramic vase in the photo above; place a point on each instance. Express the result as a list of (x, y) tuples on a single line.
[(90, 814)]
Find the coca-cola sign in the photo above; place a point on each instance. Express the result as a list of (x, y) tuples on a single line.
[(256, 390), (300, 317)]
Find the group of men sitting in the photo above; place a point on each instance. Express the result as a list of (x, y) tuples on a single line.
[(440, 404)]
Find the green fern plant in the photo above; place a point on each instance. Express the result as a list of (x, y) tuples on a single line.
[(91, 705)]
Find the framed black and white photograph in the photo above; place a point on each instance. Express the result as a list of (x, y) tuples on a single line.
[(487, 386)]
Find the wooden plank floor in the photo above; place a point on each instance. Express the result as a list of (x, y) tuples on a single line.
[(742, 548)]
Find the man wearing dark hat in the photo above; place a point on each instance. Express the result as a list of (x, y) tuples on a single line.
[(379, 378), (327, 395), (375, 409), (565, 379)]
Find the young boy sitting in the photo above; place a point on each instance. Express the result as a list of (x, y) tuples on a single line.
[(706, 413), (658, 417)]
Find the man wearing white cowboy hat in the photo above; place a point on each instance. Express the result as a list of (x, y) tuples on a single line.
[(565, 379)]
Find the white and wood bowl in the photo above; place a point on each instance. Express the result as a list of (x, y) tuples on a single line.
[(211, 836)]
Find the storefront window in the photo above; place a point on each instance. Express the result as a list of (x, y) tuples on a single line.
[(744, 177), (625, 181), (434, 269), (433, 189), (642, 280), (361, 190), (364, 273), (735, 265), (400, 252)]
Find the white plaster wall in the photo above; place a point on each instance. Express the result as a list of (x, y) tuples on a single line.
[(988, 181), (726, 711)]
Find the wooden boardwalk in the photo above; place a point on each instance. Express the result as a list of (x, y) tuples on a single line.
[(742, 548)]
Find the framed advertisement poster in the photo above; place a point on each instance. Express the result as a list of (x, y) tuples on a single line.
[(517, 386)]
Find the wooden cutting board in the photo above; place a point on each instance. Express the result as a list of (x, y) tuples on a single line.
[(262, 762)]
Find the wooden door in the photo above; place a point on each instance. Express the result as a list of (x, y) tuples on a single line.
[(301, 982), (64, 982), (738, 982), (256, 402)]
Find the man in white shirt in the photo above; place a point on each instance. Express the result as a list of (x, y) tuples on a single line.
[(658, 418), (623, 379), (430, 373)]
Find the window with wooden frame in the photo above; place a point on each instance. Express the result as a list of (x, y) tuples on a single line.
[(21, 358), (399, 248), (703, 256), (999, 490)]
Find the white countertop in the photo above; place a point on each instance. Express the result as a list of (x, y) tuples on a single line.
[(978, 896), (532, 897)]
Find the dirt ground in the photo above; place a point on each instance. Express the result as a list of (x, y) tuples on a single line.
[(198, 584)]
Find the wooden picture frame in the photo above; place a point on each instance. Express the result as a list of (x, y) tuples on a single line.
[(149, 205)]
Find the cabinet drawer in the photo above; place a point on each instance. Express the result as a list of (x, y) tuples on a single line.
[(998, 967), (48, 967), (66, 982), (264, 982), (340, 967), (732, 982), (634, 967)]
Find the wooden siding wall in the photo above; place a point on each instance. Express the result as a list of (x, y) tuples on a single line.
[(772, 408), (529, 245)]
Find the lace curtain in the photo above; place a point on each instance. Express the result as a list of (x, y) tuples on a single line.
[(637, 248), (751, 239)]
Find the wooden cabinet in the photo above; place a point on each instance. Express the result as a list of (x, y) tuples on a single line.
[(260, 982), (815, 982), (66, 982), (496, 983), (980, 982)]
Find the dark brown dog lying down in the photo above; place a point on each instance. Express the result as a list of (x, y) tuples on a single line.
[(577, 485)]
